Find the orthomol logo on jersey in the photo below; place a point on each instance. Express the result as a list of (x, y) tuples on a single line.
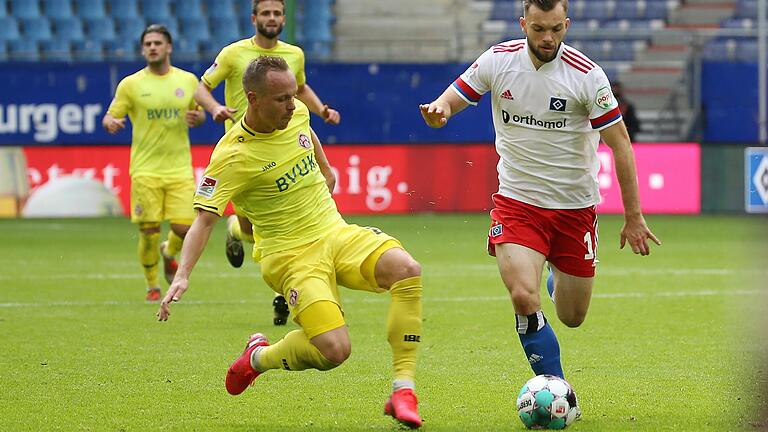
[(532, 121)]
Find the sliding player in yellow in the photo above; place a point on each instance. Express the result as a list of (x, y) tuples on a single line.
[(267, 165), (159, 102), (268, 18)]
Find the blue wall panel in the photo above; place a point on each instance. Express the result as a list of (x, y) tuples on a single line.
[(61, 103), (730, 99)]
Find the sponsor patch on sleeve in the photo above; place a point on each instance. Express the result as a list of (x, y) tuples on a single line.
[(207, 187), (212, 68), (604, 98)]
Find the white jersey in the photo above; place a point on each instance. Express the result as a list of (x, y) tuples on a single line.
[(547, 122)]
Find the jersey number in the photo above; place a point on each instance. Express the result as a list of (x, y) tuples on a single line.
[(590, 255)]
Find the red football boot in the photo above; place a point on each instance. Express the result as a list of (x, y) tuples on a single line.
[(403, 407), (153, 295), (240, 373), (169, 264)]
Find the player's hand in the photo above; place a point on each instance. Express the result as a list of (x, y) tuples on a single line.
[(434, 115), (194, 118), (636, 233), (221, 113), (114, 125), (175, 291), (331, 116)]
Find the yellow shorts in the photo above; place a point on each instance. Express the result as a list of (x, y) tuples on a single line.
[(311, 273), (155, 199)]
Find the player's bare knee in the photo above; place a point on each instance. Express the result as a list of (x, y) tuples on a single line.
[(573, 320), (403, 268), (337, 352), (524, 302)]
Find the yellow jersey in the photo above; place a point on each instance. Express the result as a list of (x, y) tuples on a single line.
[(274, 180), (156, 105), (230, 65)]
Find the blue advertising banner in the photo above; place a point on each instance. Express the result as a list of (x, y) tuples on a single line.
[(63, 103), (756, 179)]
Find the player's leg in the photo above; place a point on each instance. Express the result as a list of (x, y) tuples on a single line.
[(573, 257), (239, 229), (520, 268), (397, 271), (178, 209), (370, 260), (146, 211)]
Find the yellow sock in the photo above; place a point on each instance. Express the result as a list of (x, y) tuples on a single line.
[(173, 247), (149, 255), (404, 326), (293, 352), (237, 233)]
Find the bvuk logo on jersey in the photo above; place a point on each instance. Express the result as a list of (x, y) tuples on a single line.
[(207, 187)]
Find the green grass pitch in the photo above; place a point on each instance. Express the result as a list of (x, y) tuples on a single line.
[(673, 341)]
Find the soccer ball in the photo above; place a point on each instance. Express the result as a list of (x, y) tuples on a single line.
[(547, 402)]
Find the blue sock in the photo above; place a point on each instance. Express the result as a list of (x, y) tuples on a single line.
[(551, 285), (540, 344)]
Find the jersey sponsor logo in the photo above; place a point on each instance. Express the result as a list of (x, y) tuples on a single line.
[(268, 166), (472, 69), (304, 141), (179, 93), (301, 169), (604, 98), (207, 187), (212, 68), (557, 104), (507, 95), (496, 230), (163, 114), (293, 297), (46, 121), (532, 121), (138, 210)]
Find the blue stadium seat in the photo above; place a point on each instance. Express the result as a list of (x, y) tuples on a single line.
[(189, 9), (223, 33), (130, 27), (156, 11), (220, 9), (246, 26), (91, 9), (25, 9), (747, 51), (23, 49), (3, 51), (36, 29), (69, 29), (656, 10), (119, 9), (100, 29), (56, 50), (57, 9), (628, 10), (746, 9), (243, 7), (622, 50), (506, 10), (720, 49), (194, 30), (89, 50), (9, 29), (3, 14), (184, 49), (738, 23), (124, 49)]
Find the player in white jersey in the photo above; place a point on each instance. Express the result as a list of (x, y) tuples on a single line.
[(551, 105)]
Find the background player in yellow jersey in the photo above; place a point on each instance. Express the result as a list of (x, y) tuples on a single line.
[(267, 165), (159, 101), (268, 18)]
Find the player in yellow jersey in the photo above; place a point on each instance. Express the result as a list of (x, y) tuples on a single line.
[(268, 18), (267, 165), (159, 102)]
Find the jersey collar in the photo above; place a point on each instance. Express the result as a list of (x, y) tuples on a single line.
[(546, 67)]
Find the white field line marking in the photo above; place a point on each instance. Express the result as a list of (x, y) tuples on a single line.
[(382, 299), (464, 270)]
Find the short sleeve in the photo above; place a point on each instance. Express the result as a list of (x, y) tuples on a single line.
[(217, 187), (301, 77), (121, 104), (602, 106), (218, 71), (476, 80)]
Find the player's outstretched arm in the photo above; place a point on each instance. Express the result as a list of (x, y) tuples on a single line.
[(111, 124), (437, 113), (635, 231), (205, 99), (322, 162), (195, 117), (312, 101), (194, 243)]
